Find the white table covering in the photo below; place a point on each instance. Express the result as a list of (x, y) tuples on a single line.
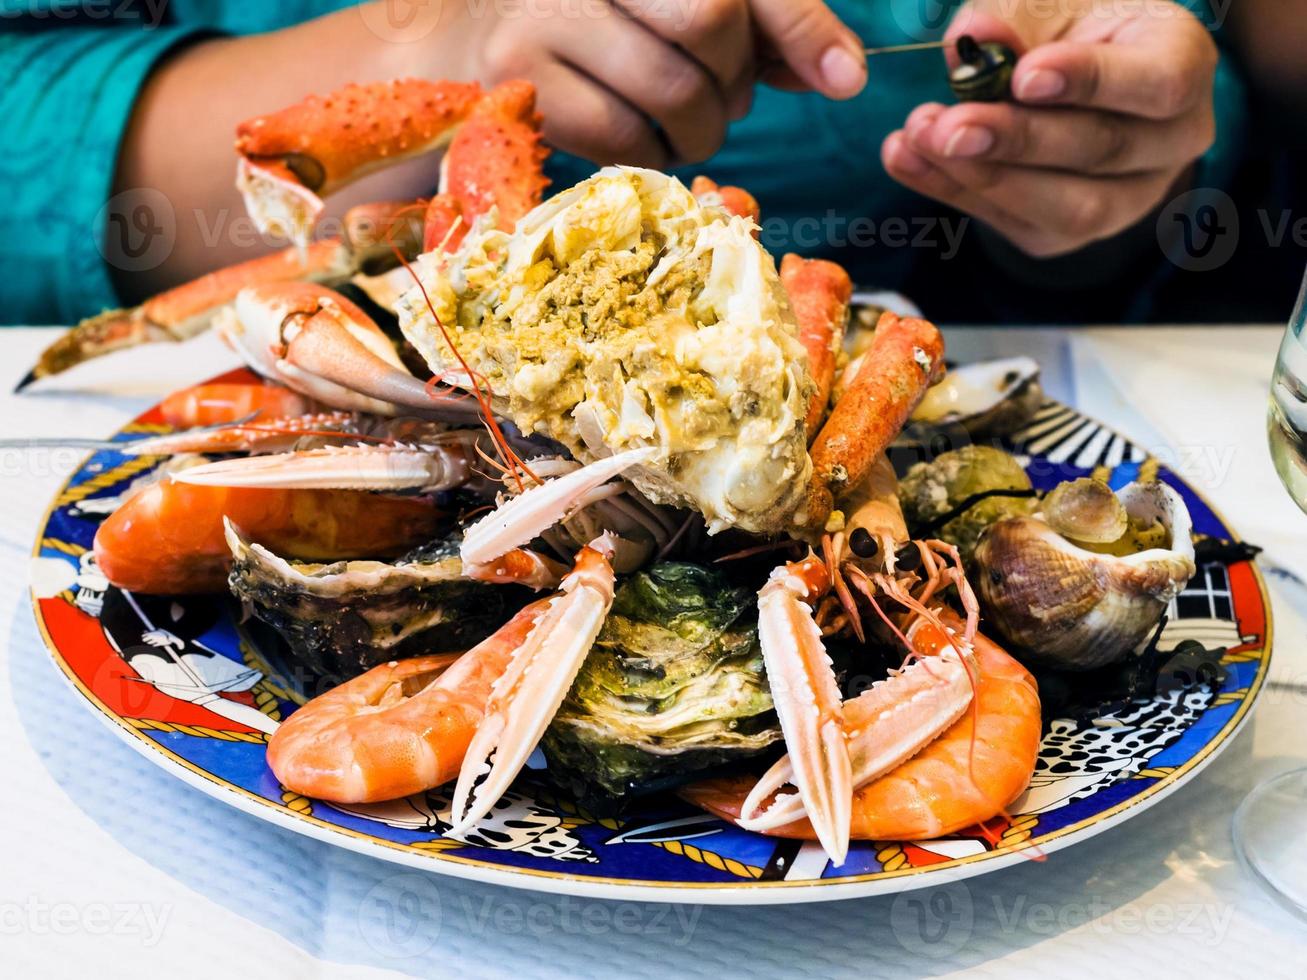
[(111, 868)]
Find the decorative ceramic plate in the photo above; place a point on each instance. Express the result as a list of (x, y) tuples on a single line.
[(181, 681)]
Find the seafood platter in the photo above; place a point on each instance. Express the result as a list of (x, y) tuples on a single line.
[(573, 541)]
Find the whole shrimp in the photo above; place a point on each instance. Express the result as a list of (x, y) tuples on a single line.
[(405, 727)]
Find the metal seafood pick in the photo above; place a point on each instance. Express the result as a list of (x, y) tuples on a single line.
[(985, 72)]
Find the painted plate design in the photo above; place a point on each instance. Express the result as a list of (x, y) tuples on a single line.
[(182, 683)]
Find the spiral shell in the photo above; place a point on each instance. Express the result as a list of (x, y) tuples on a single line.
[(1063, 606)]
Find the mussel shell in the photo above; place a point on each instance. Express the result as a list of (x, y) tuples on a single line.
[(1058, 605)]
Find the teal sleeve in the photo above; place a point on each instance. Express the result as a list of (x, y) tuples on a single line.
[(65, 98)]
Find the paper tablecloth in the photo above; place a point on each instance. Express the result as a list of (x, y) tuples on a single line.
[(112, 868)]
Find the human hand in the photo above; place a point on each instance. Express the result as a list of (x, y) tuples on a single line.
[(609, 72), (1112, 107)]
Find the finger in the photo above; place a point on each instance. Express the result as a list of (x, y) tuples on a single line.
[(589, 120), (716, 33), (1072, 210), (669, 86), (1160, 79), (915, 171), (1081, 140), (822, 52)]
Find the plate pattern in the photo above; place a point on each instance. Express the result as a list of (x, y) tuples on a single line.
[(181, 679)]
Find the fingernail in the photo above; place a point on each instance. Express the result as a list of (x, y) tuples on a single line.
[(969, 141), (1041, 84), (844, 72), (903, 158)]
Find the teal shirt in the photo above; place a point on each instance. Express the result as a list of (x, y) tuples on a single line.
[(69, 83)]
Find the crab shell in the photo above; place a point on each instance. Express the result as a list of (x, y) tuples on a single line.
[(1069, 608)]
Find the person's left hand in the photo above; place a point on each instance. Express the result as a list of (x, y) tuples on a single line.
[(1111, 110)]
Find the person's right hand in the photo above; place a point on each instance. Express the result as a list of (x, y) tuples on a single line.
[(612, 74)]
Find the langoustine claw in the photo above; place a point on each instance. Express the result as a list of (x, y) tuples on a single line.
[(807, 701), (527, 696), (968, 774)]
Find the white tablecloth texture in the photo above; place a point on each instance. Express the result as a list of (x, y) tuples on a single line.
[(110, 867)]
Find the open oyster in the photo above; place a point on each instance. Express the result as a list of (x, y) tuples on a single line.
[(987, 399), (1060, 604), (344, 618), (623, 313), (674, 685)]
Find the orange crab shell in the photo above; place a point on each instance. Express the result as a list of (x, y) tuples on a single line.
[(327, 141)]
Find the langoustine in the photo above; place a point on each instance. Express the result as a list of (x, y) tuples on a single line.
[(980, 764)]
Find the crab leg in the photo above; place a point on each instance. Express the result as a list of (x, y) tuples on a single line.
[(293, 158), (807, 701), (494, 161), (736, 200), (905, 358), (186, 310), (819, 294), (526, 697), (330, 345)]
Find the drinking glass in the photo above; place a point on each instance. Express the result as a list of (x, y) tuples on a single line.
[(1270, 826)]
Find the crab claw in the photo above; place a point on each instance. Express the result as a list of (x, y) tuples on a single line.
[(885, 726), (527, 695), (526, 515), (808, 704), (428, 469), (317, 342)]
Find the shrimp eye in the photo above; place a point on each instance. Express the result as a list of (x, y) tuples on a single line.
[(862, 544)]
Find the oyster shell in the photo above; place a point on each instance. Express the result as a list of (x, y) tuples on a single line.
[(1061, 605), (346, 617), (674, 686), (987, 399), (930, 491)]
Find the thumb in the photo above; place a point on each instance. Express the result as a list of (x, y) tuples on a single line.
[(815, 45)]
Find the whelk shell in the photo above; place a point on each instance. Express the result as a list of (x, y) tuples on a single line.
[(1063, 606)]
